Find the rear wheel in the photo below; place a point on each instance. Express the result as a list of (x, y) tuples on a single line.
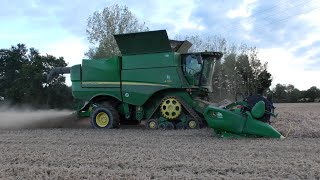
[(105, 117)]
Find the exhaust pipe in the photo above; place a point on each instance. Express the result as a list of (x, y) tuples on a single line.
[(56, 72)]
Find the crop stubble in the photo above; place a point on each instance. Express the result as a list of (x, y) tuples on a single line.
[(130, 153)]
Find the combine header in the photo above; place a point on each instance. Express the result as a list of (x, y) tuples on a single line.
[(158, 81)]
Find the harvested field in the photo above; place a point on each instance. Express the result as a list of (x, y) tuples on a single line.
[(136, 153)]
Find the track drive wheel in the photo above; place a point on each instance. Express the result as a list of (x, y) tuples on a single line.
[(105, 117), (193, 124), (170, 108), (152, 124)]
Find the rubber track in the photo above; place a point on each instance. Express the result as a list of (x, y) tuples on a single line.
[(157, 107), (191, 111)]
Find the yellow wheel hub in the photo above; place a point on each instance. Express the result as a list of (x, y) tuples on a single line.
[(170, 108), (152, 125), (102, 119), (192, 124)]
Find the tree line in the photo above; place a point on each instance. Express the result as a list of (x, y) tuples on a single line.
[(23, 81), (289, 94)]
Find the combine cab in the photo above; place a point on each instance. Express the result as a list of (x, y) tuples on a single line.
[(158, 81)]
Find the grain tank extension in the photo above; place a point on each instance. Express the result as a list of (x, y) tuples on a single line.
[(158, 81)]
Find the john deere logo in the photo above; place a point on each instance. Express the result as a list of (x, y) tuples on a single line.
[(219, 115), (168, 79)]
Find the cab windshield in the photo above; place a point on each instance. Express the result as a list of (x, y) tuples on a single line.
[(199, 70)]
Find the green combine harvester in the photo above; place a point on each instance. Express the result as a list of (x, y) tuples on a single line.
[(158, 81)]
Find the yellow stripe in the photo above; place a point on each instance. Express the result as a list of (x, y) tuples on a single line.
[(115, 83), (125, 83), (144, 84)]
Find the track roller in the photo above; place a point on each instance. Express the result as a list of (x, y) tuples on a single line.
[(193, 124), (152, 124)]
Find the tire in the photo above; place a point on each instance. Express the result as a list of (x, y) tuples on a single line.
[(105, 117)]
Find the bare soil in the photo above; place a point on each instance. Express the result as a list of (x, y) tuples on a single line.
[(135, 153)]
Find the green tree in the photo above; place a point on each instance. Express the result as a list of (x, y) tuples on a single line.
[(103, 25), (280, 94), (264, 81), (12, 61), (312, 93), (245, 72), (293, 94), (24, 79)]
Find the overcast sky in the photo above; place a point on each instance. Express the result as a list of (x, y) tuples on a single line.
[(286, 32)]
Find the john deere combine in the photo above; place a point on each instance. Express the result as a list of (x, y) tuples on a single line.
[(156, 80)]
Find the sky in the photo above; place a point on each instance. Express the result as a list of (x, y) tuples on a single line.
[(287, 33)]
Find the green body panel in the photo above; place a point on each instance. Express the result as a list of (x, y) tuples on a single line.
[(144, 61), (140, 84), (236, 123), (258, 110), (222, 119), (259, 128), (139, 94), (87, 94), (143, 43), (144, 75), (96, 78), (101, 73), (75, 73)]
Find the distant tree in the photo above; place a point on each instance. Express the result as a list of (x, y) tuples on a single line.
[(103, 25), (280, 93), (209, 43), (290, 94), (24, 79), (245, 71), (12, 61), (312, 93), (264, 81)]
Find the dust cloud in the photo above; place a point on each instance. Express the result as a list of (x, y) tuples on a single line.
[(26, 118)]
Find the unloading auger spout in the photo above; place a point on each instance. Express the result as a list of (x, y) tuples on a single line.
[(56, 72)]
